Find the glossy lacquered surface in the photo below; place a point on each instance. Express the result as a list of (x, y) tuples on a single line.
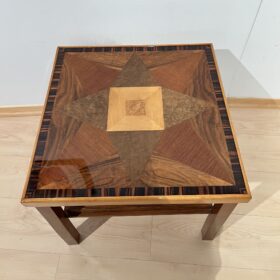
[(135, 121)]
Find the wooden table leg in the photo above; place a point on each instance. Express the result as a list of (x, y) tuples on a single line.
[(57, 218), (216, 219)]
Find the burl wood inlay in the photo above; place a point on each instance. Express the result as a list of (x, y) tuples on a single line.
[(135, 119), (135, 107)]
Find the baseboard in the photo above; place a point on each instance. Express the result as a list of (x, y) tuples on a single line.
[(17, 111), (258, 103)]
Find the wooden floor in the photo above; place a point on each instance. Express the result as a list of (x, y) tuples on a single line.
[(159, 247)]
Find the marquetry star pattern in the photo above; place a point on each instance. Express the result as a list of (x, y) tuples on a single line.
[(189, 151)]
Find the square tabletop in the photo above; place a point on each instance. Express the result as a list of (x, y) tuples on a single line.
[(135, 125)]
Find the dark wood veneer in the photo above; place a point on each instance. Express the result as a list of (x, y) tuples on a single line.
[(62, 126), (178, 156)]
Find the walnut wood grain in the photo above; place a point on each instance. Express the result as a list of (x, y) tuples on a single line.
[(164, 172), (57, 218), (191, 143), (115, 60), (91, 75), (76, 161), (139, 210), (78, 95), (178, 75), (158, 58), (182, 143), (94, 157), (215, 220)]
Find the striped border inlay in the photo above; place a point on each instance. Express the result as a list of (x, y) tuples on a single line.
[(238, 188)]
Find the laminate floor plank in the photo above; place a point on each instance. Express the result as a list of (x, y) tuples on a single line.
[(256, 121), (17, 137), (104, 268), (249, 242), (252, 144), (261, 162), (265, 195), (165, 247), (23, 228), (13, 171), (24, 265)]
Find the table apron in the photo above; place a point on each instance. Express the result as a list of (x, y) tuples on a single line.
[(140, 210)]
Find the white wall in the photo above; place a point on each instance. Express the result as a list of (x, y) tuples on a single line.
[(262, 53), (30, 30)]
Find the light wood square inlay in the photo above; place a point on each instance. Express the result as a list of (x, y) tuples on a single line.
[(135, 108)]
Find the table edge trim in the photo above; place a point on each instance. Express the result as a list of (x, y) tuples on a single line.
[(245, 179), (136, 200)]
